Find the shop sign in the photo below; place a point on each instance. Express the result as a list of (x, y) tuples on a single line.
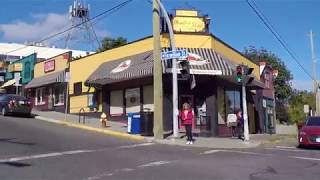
[(122, 66), (188, 24), (186, 13), (195, 59), (15, 67), (49, 66), (264, 103), (134, 92), (2, 65)]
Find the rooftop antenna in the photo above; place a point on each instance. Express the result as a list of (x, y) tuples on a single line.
[(79, 15)]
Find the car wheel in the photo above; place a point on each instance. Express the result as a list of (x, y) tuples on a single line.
[(3, 111)]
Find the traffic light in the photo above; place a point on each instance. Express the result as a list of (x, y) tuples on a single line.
[(239, 74), (185, 69)]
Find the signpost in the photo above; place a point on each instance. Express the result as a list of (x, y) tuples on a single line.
[(178, 54)]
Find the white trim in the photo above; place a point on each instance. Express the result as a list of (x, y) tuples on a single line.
[(198, 71)]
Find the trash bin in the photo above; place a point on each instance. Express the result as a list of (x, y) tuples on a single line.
[(147, 123), (135, 123), (205, 126), (129, 122)]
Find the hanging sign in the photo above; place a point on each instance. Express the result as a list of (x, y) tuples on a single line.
[(49, 66)]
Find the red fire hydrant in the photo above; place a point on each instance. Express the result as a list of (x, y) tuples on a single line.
[(103, 120)]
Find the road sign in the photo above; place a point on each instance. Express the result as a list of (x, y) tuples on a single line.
[(306, 108), (178, 54)]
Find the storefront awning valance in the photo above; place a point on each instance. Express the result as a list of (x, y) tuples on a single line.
[(47, 79), (131, 67), (8, 83), (203, 61)]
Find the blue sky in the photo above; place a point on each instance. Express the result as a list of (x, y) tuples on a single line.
[(232, 21)]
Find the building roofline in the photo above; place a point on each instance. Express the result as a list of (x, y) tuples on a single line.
[(229, 46)]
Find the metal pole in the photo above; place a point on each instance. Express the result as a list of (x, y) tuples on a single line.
[(157, 74), (66, 105), (174, 73), (245, 113), (315, 81)]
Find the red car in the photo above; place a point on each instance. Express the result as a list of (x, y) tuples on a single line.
[(309, 134)]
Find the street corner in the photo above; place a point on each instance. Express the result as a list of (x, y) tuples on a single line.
[(114, 133)]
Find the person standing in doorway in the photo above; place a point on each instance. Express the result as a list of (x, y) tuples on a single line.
[(187, 116), (240, 124)]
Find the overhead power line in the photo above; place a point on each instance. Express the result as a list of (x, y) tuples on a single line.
[(271, 28), (104, 13)]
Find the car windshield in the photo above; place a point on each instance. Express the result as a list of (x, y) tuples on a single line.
[(313, 121)]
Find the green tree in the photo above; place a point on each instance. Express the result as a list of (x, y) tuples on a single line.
[(282, 86), (110, 43), (296, 105)]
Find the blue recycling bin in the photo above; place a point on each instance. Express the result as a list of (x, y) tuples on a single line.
[(134, 120)]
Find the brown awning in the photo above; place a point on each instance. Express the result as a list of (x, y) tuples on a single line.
[(47, 79)]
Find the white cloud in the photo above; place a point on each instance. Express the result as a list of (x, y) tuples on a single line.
[(41, 26), (302, 85)]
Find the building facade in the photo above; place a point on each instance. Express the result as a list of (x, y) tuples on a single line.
[(48, 87), (119, 81)]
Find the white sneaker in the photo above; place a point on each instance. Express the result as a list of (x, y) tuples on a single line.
[(190, 142)]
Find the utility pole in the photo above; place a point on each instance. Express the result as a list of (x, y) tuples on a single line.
[(157, 74), (245, 111), (315, 79)]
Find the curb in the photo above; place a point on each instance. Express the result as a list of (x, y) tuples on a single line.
[(103, 131)]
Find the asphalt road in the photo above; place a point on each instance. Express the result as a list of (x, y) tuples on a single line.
[(33, 149)]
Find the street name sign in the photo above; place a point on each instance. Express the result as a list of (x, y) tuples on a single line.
[(178, 54)]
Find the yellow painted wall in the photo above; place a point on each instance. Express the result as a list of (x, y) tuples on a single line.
[(234, 56), (60, 64), (81, 69)]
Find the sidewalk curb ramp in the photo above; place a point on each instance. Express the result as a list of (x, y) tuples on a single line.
[(104, 131)]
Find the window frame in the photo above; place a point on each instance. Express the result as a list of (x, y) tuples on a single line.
[(40, 92), (61, 95), (77, 88)]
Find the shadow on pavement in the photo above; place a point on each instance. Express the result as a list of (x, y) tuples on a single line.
[(15, 141), (16, 164)]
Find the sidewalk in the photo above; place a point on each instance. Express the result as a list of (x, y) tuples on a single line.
[(120, 130)]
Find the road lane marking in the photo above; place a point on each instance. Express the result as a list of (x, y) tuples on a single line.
[(286, 147), (136, 145), (156, 163), (210, 151), (126, 170), (292, 150), (305, 158), (38, 156), (232, 151)]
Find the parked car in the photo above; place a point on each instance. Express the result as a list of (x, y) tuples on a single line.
[(309, 133), (15, 104)]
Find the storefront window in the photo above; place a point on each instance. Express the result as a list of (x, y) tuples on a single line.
[(232, 101), (92, 100), (40, 96), (116, 102), (58, 95)]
